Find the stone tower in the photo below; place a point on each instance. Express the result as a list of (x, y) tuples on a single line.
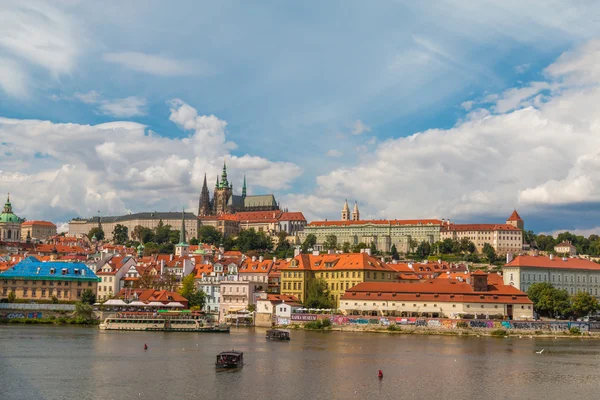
[(516, 221), (204, 208), (223, 191), (346, 212), (355, 212)]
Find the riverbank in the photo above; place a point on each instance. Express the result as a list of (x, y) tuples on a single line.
[(50, 321), (476, 332)]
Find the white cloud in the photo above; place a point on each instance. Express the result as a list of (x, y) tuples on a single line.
[(520, 69), (91, 97), (529, 153), (123, 108), (467, 105), (359, 127), (121, 166), (579, 232), (373, 140), (334, 153), (12, 79), (155, 64)]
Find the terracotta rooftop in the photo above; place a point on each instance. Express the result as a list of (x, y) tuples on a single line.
[(515, 216), (556, 262)]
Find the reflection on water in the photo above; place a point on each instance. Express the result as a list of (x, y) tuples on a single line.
[(38, 362)]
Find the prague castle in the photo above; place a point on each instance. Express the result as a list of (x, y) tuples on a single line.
[(225, 202)]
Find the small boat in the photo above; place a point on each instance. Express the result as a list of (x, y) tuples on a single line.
[(278, 334), (230, 359)]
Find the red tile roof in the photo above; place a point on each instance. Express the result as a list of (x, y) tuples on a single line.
[(515, 216), (42, 223), (557, 262), (423, 222), (435, 290), (479, 227)]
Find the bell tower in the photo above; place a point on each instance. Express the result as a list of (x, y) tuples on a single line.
[(346, 211), (223, 191)]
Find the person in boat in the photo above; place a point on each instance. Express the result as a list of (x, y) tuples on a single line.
[(380, 374), (145, 346)]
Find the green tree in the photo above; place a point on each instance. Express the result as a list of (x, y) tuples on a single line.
[(188, 286), (194, 242), (84, 311), (489, 252), (373, 249), (147, 280), (249, 239), (136, 233), (346, 247), (549, 301), (209, 235), (120, 234), (317, 295), (330, 242), (309, 242), (197, 300), (583, 304), (150, 248), (88, 296), (174, 236), (162, 233), (394, 251), (147, 235), (284, 247), (423, 249), (446, 246), (471, 249), (96, 231), (166, 248), (358, 247), (412, 244), (11, 297)]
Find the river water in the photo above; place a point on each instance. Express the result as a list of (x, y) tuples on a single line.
[(47, 362)]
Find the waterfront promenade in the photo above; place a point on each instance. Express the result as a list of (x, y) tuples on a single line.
[(84, 363)]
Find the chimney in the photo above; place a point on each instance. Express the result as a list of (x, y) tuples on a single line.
[(479, 282), (170, 257), (509, 257), (162, 267), (368, 250), (315, 252), (261, 259), (329, 251), (297, 251), (274, 259), (551, 256), (565, 259), (253, 258)]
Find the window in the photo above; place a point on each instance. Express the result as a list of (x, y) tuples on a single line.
[(33, 292)]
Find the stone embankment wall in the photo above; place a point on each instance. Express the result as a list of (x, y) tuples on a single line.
[(35, 311)]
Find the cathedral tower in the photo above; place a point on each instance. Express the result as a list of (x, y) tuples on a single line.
[(204, 208), (346, 211), (223, 191), (355, 212)]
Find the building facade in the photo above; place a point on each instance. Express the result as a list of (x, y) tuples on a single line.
[(32, 279), (339, 272), (10, 223), (37, 230), (438, 299), (571, 274), (384, 233), (80, 227), (566, 248)]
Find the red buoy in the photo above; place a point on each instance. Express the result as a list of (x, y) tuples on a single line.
[(145, 347), (380, 374)]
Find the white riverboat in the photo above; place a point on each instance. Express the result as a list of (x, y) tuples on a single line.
[(162, 321)]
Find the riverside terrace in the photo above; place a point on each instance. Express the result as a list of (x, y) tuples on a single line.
[(32, 279)]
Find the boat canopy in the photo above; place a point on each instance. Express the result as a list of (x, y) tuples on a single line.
[(174, 304)]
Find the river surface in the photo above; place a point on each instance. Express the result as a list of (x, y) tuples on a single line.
[(47, 362)]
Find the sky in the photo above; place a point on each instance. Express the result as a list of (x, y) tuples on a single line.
[(445, 109)]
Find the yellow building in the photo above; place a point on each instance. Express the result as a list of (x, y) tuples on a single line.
[(339, 271)]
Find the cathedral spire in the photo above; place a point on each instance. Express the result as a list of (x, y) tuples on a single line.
[(182, 232), (204, 201), (244, 187)]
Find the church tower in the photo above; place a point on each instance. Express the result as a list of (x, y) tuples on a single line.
[(244, 188), (182, 249), (204, 208), (223, 191), (355, 213), (516, 220), (346, 211)]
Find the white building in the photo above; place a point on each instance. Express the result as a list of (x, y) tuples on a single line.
[(572, 274), (566, 248)]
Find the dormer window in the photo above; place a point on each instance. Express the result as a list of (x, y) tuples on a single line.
[(52, 271)]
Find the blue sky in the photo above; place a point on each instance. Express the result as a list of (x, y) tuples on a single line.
[(314, 95)]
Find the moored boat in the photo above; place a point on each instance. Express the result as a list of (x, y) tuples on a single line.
[(168, 321), (230, 359), (278, 334)]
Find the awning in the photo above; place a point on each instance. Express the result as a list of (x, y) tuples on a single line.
[(175, 304), (114, 302), (138, 303), (155, 304)]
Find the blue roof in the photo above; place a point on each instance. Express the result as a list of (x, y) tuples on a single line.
[(34, 269)]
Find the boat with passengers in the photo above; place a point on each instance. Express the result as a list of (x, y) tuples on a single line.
[(230, 359), (162, 321), (278, 334)]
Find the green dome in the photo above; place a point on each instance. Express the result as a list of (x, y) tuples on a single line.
[(9, 217)]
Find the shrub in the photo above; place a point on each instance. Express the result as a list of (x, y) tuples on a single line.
[(498, 333), (54, 300), (318, 324), (325, 323), (394, 328), (574, 331)]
